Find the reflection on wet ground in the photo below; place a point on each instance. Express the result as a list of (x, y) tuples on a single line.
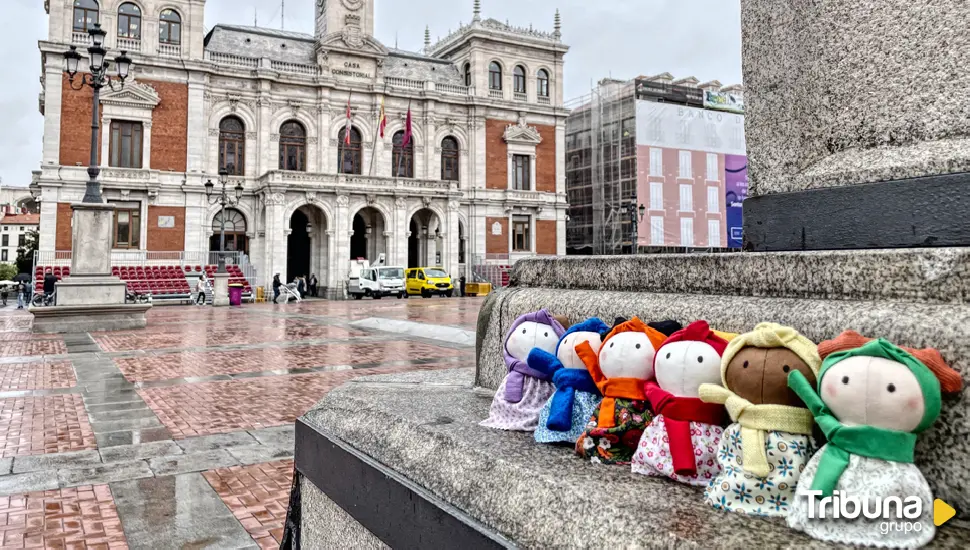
[(182, 432)]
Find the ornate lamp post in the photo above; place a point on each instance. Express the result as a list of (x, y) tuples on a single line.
[(97, 79), (224, 200), (632, 210)]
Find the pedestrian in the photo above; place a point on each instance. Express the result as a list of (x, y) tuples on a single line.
[(276, 288), (301, 286), (200, 289), (313, 285), (3, 295), (50, 284), (461, 282), (20, 296)]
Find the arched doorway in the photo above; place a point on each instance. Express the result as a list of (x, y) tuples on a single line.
[(235, 232), (425, 247), (298, 255), (308, 246), (368, 240)]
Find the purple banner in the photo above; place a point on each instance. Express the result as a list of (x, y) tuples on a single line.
[(736, 190)]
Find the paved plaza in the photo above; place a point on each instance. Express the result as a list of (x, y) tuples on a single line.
[(180, 435)]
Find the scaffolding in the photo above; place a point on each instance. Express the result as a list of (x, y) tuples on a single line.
[(601, 170)]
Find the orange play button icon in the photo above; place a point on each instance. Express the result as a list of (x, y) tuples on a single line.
[(942, 512)]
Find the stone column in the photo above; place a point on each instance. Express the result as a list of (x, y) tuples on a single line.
[(274, 240), (91, 281), (400, 228), (220, 289), (832, 105), (450, 259), (342, 234)]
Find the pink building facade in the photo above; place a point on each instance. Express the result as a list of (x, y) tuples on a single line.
[(681, 183)]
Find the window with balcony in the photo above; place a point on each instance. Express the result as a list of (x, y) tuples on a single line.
[(170, 28), (232, 146), (521, 234), (125, 146), (468, 74), (686, 198), (656, 162), (542, 83), (686, 171), (402, 158), (127, 230), (85, 15), (293, 147), (349, 154), (522, 172), (518, 79), (129, 22), (494, 76), (449, 159), (712, 167)]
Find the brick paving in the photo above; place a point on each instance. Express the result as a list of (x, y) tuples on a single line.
[(80, 517), (250, 404), (41, 425), (209, 363), (37, 376), (56, 405), (258, 496)]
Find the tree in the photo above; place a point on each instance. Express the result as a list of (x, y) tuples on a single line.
[(25, 253), (8, 272)]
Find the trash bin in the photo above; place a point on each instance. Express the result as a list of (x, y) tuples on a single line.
[(235, 294)]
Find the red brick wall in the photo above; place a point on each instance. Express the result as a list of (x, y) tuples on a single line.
[(546, 237), (497, 157), (497, 244), (76, 126), (546, 160), (62, 231), (166, 239), (169, 126)]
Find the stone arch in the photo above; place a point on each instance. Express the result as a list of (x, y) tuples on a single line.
[(298, 115), (224, 109), (433, 208), (309, 242), (357, 206), (169, 6), (295, 204), (456, 132), (425, 249), (369, 231), (396, 125), (243, 209), (366, 132)]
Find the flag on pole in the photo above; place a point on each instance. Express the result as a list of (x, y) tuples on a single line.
[(347, 127), (382, 121), (407, 128)]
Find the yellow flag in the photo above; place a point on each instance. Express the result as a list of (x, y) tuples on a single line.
[(942, 512)]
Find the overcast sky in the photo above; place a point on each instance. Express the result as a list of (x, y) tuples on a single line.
[(618, 38)]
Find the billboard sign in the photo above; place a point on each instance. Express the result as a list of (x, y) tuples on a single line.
[(736, 190), (724, 101)]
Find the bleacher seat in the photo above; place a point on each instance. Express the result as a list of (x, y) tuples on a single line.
[(164, 281)]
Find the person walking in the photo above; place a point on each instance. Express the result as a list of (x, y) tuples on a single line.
[(301, 286), (50, 284), (200, 289), (313, 285), (276, 288), (3, 295), (20, 296)]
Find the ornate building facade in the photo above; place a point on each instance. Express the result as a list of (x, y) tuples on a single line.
[(482, 181)]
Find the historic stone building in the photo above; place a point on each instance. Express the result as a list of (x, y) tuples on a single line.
[(481, 182)]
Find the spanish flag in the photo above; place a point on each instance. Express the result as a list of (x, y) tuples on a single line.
[(382, 121)]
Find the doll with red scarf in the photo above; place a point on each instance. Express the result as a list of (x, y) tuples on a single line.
[(624, 363), (681, 441)]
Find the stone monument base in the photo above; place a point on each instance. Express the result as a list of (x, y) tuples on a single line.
[(89, 318), (89, 290), (220, 289)]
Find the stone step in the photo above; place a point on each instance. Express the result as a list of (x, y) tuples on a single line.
[(399, 460)]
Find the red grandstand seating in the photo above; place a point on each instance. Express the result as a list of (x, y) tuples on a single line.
[(168, 281)]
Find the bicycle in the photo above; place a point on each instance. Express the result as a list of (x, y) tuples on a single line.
[(43, 300)]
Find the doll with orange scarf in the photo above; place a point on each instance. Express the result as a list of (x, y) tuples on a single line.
[(624, 363), (682, 440)]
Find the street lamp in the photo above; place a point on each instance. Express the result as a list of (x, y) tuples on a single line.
[(632, 210), (223, 199), (97, 78)]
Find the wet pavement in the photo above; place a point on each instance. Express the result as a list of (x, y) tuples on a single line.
[(180, 435)]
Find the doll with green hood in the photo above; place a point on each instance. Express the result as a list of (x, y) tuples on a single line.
[(871, 402)]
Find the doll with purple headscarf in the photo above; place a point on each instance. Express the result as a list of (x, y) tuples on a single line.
[(525, 390)]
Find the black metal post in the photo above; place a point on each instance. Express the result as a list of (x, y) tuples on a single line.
[(222, 232), (92, 192)]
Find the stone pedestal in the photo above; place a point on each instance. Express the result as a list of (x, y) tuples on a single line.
[(832, 104), (91, 299), (220, 289)]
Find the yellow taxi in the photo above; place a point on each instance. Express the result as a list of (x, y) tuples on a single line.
[(428, 281)]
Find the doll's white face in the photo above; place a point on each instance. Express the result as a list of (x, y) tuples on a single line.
[(873, 391), (567, 349), (627, 355), (683, 366), (530, 335)]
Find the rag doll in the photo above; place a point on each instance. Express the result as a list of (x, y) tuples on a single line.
[(872, 400), (624, 363), (681, 441), (563, 418), (764, 450), (524, 390)]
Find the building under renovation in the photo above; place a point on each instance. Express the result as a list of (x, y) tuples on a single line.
[(655, 164)]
